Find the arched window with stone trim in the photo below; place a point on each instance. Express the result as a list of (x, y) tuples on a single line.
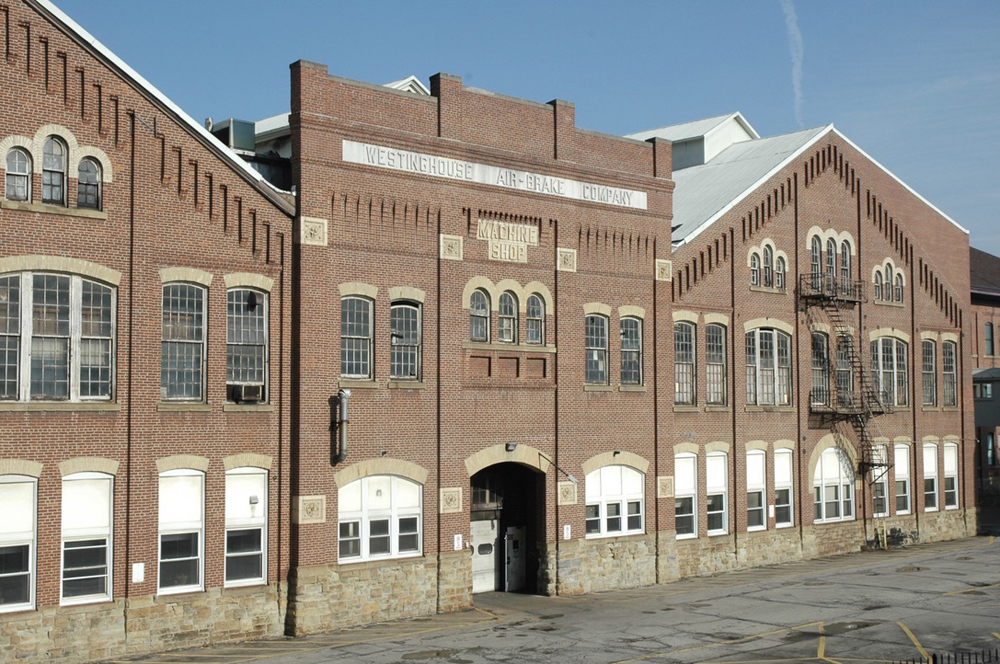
[(535, 320), (379, 516), (18, 495), (755, 269), (507, 332), (54, 157), (845, 267), (833, 487), (18, 175), (479, 316), (614, 501), (89, 184), (768, 267)]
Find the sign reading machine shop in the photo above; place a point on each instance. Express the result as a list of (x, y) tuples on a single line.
[(467, 171)]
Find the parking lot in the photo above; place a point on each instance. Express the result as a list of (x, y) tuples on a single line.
[(879, 606)]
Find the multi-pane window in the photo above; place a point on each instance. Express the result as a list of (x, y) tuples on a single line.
[(596, 340), (684, 392), (182, 349), (54, 154), (889, 370), (405, 349), (845, 267), (887, 289), (756, 490), (717, 498), (930, 478), (987, 337), (897, 291), (929, 373), (56, 338), (815, 265), (715, 364), (755, 269), (86, 537), (845, 372), (356, 337), (950, 476), (880, 480), (878, 286), (631, 351), (88, 188), (507, 318), (479, 316), (831, 264), (379, 517), (17, 543), (820, 393), (992, 454), (768, 267), (246, 526), (783, 488), (686, 495), (535, 320), (182, 530), (779, 273), (901, 468), (769, 367), (246, 345), (18, 179), (833, 487), (949, 377), (614, 501)]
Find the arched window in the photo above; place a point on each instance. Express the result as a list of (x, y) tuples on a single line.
[(901, 469), (88, 188), (379, 517), (889, 370), (686, 495), (831, 263), (535, 314), (845, 267), (779, 273), (508, 318), (930, 477), (988, 338), (684, 392), (356, 338), (479, 316), (949, 373), (768, 267), (182, 345), (820, 393), (717, 493), (878, 285), (755, 269), (887, 290), (182, 531), (769, 368), (845, 372), (404, 343), (715, 364), (614, 501), (833, 487), (18, 175), (950, 476), (596, 341), (756, 490), (815, 258), (897, 293), (929, 372), (246, 526), (783, 506), (631, 351), (54, 155)]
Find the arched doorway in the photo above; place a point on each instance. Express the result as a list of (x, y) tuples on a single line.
[(507, 514)]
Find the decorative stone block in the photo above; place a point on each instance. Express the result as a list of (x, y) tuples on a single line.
[(664, 270), (309, 509), (566, 260), (451, 247), (312, 230), (451, 500), (567, 493), (665, 486)]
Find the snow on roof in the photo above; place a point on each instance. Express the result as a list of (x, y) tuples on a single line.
[(410, 84)]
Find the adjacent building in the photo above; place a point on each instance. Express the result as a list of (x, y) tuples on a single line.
[(985, 276)]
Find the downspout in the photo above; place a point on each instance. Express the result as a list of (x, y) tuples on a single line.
[(343, 396), (128, 410), (656, 425), (555, 393)]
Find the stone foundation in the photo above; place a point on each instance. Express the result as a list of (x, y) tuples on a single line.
[(946, 525), (593, 565), (830, 539)]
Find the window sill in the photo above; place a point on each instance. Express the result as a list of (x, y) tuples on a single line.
[(716, 409), (598, 388), (248, 583), (46, 208), (830, 522), (783, 526), (889, 304), (901, 409), (175, 407), (930, 509), (951, 509), (17, 608), (355, 384), (765, 289), (687, 409), (248, 408), (950, 409), (27, 406), (405, 385), (632, 388), (374, 562), (930, 409), (717, 533), (769, 409), (179, 590), (503, 347), (687, 537), (607, 536), (757, 529), (77, 601)]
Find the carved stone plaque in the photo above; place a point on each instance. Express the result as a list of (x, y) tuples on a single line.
[(664, 270), (451, 247), (665, 486), (566, 260), (567, 493), (313, 231), (309, 509), (451, 500)]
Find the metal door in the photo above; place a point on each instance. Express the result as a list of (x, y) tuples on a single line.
[(514, 568), (484, 538)]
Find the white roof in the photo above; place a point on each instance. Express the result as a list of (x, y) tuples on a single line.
[(410, 84), (695, 129), (234, 160)]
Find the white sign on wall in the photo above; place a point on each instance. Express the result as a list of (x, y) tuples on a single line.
[(510, 178)]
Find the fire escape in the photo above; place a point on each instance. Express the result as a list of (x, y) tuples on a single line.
[(854, 399)]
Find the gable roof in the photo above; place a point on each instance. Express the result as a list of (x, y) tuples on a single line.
[(152, 94), (984, 272), (695, 129)]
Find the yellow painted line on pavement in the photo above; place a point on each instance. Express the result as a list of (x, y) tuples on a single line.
[(742, 639), (972, 589), (997, 635), (920, 648)]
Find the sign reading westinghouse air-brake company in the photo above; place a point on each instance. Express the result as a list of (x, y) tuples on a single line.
[(510, 178)]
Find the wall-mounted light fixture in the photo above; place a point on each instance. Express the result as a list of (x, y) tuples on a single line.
[(511, 446)]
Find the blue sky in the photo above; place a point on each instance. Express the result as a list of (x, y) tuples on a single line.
[(915, 84)]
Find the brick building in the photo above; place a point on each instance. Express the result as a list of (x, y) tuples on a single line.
[(480, 349), (985, 277)]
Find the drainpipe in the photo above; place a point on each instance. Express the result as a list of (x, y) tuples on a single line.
[(343, 421)]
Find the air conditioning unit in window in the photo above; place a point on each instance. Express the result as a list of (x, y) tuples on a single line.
[(248, 393)]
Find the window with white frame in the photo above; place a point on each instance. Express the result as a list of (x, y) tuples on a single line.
[(769, 367), (18, 175), (879, 287), (479, 316), (831, 264), (631, 337), (845, 267), (684, 385), (949, 375), (756, 490), (987, 337), (54, 156), (246, 526), (715, 365), (17, 542), (901, 468), (754, 269), (929, 372), (815, 257), (880, 480), (88, 188), (845, 372), (950, 476), (897, 291), (992, 454), (182, 530), (780, 271), (507, 312), (887, 288), (930, 477), (56, 338), (246, 345), (768, 267), (356, 338), (833, 487), (535, 316), (596, 340), (379, 516), (819, 395), (614, 501), (889, 370), (686, 495), (717, 490), (783, 508), (86, 537), (182, 349), (405, 345)]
